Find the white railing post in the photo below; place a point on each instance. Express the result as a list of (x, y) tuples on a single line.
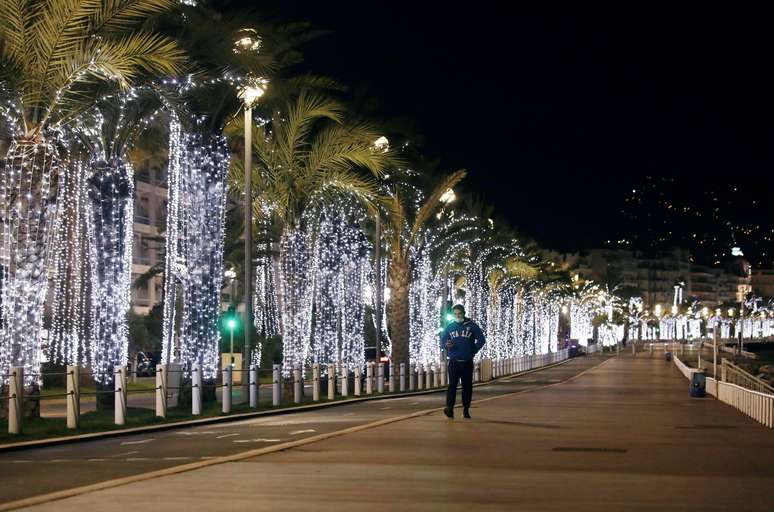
[(412, 377), (436, 376), (254, 383), (228, 381), (16, 400), (161, 391), (119, 384), (444, 382), (358, 381), (331, 382), (380, 378), (428, 376), (420, 377), (73, 397), (276, 387), (344, 381), (392, 378), (369, 378), (316, 382), (402, 377), (196, 389), (477, 372), (297, 385)]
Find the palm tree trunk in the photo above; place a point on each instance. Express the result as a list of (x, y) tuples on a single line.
[(296, 305), (110, 241), (27, 211), (398, 310)]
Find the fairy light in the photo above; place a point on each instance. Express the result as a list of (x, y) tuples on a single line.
[(110, 212), (67, 338), (195, 233), (27, 199)]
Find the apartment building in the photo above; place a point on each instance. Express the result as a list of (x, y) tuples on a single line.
[(150, 218)]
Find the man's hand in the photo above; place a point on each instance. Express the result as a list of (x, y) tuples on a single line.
[(449, 344)]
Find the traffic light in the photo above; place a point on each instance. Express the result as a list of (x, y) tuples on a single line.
[(447, 315)]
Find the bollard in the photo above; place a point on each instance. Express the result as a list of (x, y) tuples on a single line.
[(477, 373), (428, 376), (420, 377), (297, 385), (392, 378), (73, 397), (119, 384), (345, 382), (316, 382), (196, 390), (358, 383), (380, 378), (369, 378), (444, 382), (331, 382), (412, 377), (15, 400), (253, 386), (276, 388), (634, 349), (228, 380), (161, 391), (402, 377)]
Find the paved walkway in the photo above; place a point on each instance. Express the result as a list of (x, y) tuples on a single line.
[(622, 436)]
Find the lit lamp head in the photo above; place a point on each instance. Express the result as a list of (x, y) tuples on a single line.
[(674, 310), (231, 323), (253, 90), (381, 144), (247, 40), (657, 310), (448, 196), (229, 274), (730, 311)]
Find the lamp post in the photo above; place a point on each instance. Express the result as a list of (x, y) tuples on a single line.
[(380, 144), (249, 94)]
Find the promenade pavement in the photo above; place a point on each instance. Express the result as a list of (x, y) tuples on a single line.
[(623, 435)]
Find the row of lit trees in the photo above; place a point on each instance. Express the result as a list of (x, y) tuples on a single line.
[(88, 86)]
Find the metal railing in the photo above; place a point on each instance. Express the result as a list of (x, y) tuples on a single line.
[(735, 375), (757, 404)]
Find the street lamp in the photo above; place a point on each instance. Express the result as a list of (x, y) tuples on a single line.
[(249, 94), (382, 145)]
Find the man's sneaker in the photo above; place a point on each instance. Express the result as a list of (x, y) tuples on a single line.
[(466, 413), (448, 412)]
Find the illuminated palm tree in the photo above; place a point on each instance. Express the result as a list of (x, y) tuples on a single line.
[(53, 54)]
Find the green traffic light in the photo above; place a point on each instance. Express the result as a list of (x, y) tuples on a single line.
[(449, 317), (231, 323)]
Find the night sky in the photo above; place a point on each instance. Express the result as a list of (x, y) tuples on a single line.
[(559, 115)]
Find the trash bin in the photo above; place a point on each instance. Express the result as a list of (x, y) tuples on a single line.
[(698, 384), (667, 356)]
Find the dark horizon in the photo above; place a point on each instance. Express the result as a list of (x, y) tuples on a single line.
[(559, 116)]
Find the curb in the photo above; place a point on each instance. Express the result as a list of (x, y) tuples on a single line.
[(44, 443)]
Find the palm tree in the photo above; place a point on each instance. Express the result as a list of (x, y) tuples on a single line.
[(404, 226), (53, 53), (305, 155)]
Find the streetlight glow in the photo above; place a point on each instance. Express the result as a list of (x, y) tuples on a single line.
[(448, 196), (251, 92)]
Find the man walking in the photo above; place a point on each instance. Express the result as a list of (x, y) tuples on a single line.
[(461, 339)]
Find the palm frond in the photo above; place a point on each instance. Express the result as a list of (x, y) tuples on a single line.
[(120, 15)]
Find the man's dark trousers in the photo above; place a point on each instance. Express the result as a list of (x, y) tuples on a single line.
[(460, 370)]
